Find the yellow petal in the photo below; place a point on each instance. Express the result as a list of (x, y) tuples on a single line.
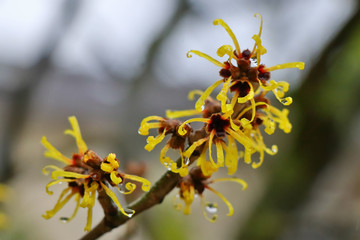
[(230, 207), (75, 132), (183, 113), (112, 195), (152, 142), (230, 32), (207, 57), (145, 183), (52, 152), (299, 65), (201, 101), (114, 178)]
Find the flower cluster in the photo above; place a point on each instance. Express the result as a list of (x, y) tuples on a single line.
[(86, 173), (232, 122)]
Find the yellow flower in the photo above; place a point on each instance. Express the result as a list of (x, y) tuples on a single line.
[(195, 184), (86, 173), (166, 126), (243, 79)]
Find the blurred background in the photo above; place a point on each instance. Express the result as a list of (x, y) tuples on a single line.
[(112, 63)]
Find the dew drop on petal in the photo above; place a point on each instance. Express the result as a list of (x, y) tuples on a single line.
[(64, 219), (211, 208), (274, 149)]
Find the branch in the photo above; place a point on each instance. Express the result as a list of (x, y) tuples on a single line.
[(155, 196)]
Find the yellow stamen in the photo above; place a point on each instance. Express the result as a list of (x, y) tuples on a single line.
[(183, 113), (52, 152), (112, 195), (145, 183), (75, 132), (152, 142), (230, 207), (299, 65), (182, 130), (207, 57), (237, 180), (230, 32), (201, 101)]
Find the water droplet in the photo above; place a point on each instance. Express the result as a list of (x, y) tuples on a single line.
[(64, 219), (274, 149), (187, 161), (202, 107), (129, 212), (139, 132), (284, 101), (211, 208)]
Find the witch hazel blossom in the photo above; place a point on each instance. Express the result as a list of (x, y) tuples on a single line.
[(232, 122), (86, 173)]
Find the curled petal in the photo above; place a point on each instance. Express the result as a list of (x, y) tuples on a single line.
[(114, 178), (201, 101), (230, 32), (182, 131), (192, 93), (228, 204), (225, 49), (75, 132), (52, 183), (193, 146), (145, 183), (106, 167), (112, 159), (152, 142), (130, 187), (222, 96), (204, 206), (145, 125), (237, 180), (249, 96)]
